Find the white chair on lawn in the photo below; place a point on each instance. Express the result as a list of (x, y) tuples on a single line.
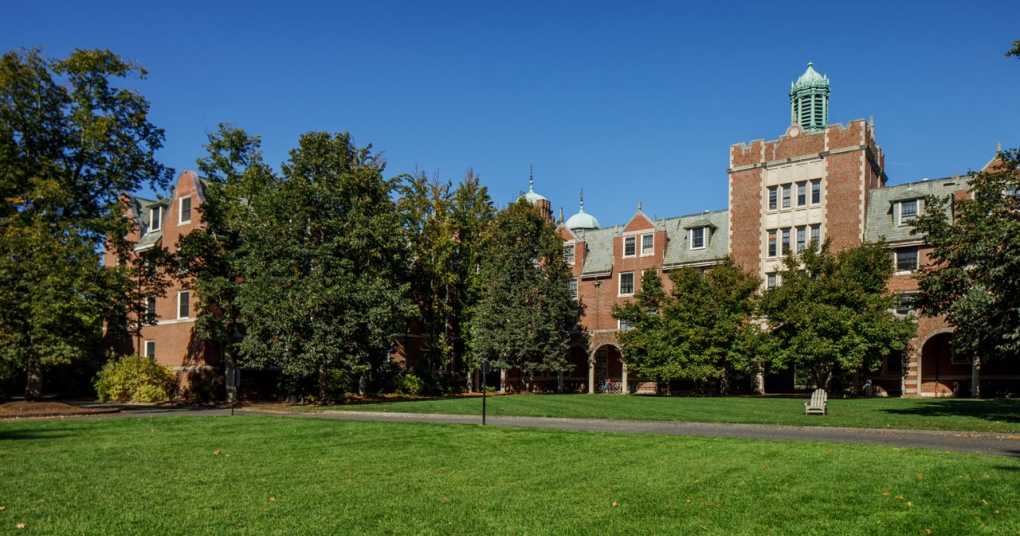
[(819, 404)]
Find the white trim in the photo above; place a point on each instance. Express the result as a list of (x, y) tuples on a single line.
[(188, 316), (619, 326), (158, 221), (175, 321), (690, 238), (180, 210), (641, 244), (573, 250), (896, 264), (576, 288), (619, 285), (899, 211), (623, 245), (145, 348)]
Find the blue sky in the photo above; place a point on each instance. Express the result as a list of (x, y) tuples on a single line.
[(633, 102)]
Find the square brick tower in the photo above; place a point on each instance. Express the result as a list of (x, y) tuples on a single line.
[(809, 185)]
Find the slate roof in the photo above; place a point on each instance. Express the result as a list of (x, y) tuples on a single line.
[(880, 219)]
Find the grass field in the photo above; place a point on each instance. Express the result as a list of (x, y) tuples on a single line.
[(932, 414), (275, 475)]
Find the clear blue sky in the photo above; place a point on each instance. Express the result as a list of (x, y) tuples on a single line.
[(631, 101)]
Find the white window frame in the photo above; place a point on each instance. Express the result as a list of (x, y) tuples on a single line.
[(573, 253), (774, 278), (917, 260), (179, 293), (145, 349), (619, 285), (784, 242), (811, 191), (775, 233), (812, 227), (574, 290), (641, 245), (690, 238), (896, 305), (624, 246), (768, 197), (899, 211), (787, 196), (801, 240), (803, 190), (180, 210), (619, 325), (155, 221)]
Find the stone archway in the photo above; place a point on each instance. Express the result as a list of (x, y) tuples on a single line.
[(941, 373), (609, 369)]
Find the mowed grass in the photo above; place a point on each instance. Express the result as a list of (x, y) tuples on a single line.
[(1001, 415), (285, 475)]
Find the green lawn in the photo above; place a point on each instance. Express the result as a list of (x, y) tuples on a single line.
[(932, 414), (276, 475)]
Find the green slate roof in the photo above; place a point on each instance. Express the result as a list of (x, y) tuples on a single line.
[(881, 216)]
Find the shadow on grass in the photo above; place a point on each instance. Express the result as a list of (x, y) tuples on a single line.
[(992, 410), (26, 434)]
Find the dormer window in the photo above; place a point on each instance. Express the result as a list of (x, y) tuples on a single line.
[(155, 218), (647, 244), (907, 211), (697, 238), (184, 211)]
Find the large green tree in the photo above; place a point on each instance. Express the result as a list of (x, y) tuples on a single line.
[(702, 331), (974, 275), (71, 142), (832, 314), (324, 268), (526, 317)]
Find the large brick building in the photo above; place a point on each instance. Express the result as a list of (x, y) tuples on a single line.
[(815, 182)]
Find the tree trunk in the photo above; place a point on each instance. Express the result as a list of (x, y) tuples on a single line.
[(323, 384), (33, 380), (975, 378)]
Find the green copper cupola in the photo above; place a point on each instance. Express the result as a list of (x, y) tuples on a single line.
[(809, 100)]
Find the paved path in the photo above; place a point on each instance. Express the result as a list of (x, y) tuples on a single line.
[(975, 442)]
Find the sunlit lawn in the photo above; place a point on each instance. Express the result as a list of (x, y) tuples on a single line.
[(934, 414), (276, 475)]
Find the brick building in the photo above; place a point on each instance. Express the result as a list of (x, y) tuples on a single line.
[(813, 183)]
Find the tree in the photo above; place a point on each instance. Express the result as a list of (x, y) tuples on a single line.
[(832, 315), (323, 267), (235, 177), (1015, 51), (526, 317), (701, 331), (70, 144), (974, 275)]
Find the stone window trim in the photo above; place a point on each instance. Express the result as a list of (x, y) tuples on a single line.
[(816, 191), (802, 193), (793, 195), (181, 212), (696, 234), (773, 243), (773, 198), (625, 290), (650, 236), (801, 238), (149, 349), (183, 304)]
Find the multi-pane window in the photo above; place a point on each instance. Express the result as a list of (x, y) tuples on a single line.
[(906, 259), (623, 325), (572, 285), (150, 306), (801, 194), (629, 246), (801, 239), (787, 191), (185, 210), (150, 349), (772, 243), (905, 303), (773, 197), (183, 304), (771, 280), (626, 283), (155, 218), (816, 191), (908, 211), (698, 238), (647, 244), (816, 236), (786, 241), (568, 254)]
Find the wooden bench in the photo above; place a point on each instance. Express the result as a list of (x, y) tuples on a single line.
[(819, 404)]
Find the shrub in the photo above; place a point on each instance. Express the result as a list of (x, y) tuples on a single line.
[(410, 384), (135, 379)]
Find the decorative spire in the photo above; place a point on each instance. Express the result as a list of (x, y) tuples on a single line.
[(531, 178), (639, 206), (582, 200), (998, 148), (809, 100)]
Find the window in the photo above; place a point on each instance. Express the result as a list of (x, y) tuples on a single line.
[(572, 285), (816, 191), (906, 259), (801, 194), (816, 236), (626, 283), (787, 190), (771, 280), (150, 306), (647, 244), (801, 239), (629, 246), (772, 243), (155, 218), (150, 349), (623, 325), (786, 241), (905, 303), (773, 198), (568, 254), (184, 214), (698, 238), (908, 211), (183, 304)]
